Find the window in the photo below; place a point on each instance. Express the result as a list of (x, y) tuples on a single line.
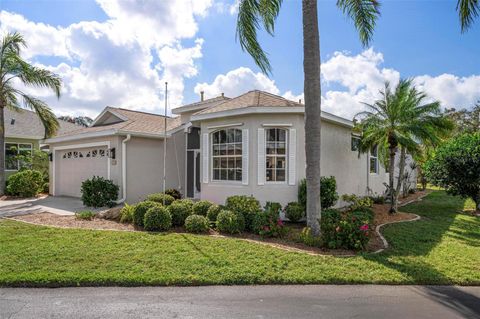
[(12, 151), (355, 145), (275, 154), (227, 155), (374, 160)]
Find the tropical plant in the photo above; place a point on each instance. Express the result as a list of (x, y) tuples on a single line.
[(79, 120), (401, 118), (252, 15), (14, 69), (468, 11)]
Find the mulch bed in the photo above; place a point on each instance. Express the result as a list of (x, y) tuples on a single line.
[(289, 243)]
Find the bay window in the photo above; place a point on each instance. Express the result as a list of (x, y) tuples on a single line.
[(227, 155)]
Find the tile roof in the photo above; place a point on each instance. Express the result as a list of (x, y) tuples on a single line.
[(251, 99), (197, 106), (28, 125), (137, 122)]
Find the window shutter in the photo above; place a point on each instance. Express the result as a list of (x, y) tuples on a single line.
[(292, 151), (261, 157), (205, 158), (245, 156)]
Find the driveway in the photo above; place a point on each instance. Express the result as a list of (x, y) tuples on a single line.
[(243, 302), (55, 205)]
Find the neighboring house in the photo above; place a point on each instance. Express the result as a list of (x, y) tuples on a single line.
[(252, 144), (23, 133)]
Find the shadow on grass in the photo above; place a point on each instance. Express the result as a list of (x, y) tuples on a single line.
[(411, 243)]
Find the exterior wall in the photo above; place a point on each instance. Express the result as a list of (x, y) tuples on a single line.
[(337, 159), (35, 146)]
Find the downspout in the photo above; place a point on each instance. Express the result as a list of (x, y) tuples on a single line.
[(124, 169)]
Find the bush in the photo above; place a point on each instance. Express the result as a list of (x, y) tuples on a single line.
[(213, 212), (186, 201), (157, 218), (350, 230), (378, 199), (85, 215), (456, 167), (246, 205), (180, 211), (99, 192), (201, 207), (126, 214), (175, 193), (294, 211), (272, 206), (328, 192), (355, 202), (26, 183), (161, 198), (197, 224), (268, 224), (308, 239), (230, 222), (46, 187), (140, 210)]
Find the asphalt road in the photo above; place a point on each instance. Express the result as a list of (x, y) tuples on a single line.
[(243, 302)]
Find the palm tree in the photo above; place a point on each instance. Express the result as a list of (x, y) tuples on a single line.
[(14, 70), (468, 11), (252, 15), (400, 118)]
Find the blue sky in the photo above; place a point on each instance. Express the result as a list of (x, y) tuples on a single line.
[(418, 39)]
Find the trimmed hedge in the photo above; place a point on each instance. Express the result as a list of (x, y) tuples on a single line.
[(328, 192), (230, 222), (180, 211), (247, 206), (161, 198), (99, 192), (157, 218), (294, 211), (197, 224), (213, 212), (25, 183), (175, 193), (201, 207), (140, 210)]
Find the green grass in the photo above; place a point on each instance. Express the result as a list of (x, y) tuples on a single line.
[(442, 248)]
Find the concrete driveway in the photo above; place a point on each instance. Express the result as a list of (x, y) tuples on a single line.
[(55, 205)]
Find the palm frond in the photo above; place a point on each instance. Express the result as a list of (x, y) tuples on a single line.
[(364, 14), (35, 76), (47, 117), (468, 11)]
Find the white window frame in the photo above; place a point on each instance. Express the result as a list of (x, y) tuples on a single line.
[(18, 151), (375, 157), (237, 157), (286, 155)]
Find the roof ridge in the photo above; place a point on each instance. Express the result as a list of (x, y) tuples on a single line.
[(143, 112)]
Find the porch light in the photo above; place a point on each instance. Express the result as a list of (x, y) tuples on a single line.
[(112, 153)]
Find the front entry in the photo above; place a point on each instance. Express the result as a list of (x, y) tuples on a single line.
[(193, 173)]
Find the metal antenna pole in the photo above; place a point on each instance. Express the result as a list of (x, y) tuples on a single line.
[(165, 144)]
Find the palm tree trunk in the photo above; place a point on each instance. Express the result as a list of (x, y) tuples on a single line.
[(311, 70), (401, 172), (2, 148), (391, 174)]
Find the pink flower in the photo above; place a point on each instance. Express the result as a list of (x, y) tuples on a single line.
[(280, 222), (364, 227)]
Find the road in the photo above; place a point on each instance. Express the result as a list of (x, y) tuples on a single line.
[(243, 302)]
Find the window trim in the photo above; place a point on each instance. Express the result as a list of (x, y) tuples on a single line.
[(287, 136), (377, 167), (18, 150), (211, 156)]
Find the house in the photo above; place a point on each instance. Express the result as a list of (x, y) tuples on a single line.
[(252, 144), (23, 133)]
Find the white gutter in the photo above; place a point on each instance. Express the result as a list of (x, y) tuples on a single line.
[(124, 169)]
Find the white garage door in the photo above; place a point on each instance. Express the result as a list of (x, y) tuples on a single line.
[(73, 166)]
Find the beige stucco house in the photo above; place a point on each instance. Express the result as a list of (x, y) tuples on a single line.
[(252, 144)]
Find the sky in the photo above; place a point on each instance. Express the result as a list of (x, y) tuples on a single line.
[(121, 52)]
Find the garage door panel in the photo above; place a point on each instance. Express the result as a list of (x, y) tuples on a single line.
[(77, 165)]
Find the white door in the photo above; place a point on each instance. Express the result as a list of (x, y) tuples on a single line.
[(73, 166)]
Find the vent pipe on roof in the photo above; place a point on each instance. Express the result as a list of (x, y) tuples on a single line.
[(223, 94), (201, 96)]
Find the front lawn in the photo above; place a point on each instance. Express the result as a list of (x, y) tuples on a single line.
[(442, 248)]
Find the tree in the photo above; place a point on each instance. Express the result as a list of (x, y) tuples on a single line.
[(465, 121), (252, 15), (79, 120), (14, 69), (401, 119), (456, 167), (468, 11)]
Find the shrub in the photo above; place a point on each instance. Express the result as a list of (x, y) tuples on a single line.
[(328, 192), (161, 198), (85, 215), (272, 206), (157, 218), (46, 187), (355, 202), (197, 224), (456, 167), (186, 201), (230, 222), (201, 207), (99, 192), (140, 210), (246, 205), (26, 183), (378, 199), (213, 212), (308, 239), (294, 211), (175, 193), (180, 211), (126, 214), (268, 224)]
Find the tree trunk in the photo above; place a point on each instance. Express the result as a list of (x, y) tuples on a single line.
[(401, 172), (391, 175), (311, 70), (2, 148)]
